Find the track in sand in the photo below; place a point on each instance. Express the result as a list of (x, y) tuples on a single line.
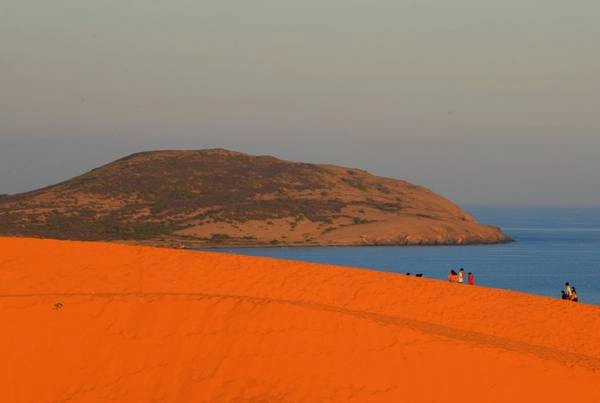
[(144, 324)]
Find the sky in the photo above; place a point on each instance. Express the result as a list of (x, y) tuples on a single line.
[(488, 102)]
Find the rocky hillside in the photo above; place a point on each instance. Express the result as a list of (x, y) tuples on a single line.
[(220, 197)]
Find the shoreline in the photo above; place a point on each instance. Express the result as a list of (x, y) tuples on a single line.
[(199, 245), (184, 244), (374, 245)]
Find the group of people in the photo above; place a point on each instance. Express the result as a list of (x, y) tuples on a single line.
[(569, 293), (459, 277)]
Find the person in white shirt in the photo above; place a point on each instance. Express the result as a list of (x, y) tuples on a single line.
[(461, 275), (568, 290)]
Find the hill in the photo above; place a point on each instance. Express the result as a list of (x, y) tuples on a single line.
[(89, 322), (220, 197)]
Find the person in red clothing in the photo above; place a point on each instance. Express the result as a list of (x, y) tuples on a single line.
[(471, 279)]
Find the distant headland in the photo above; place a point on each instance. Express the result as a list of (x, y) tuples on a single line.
[(218, 197)]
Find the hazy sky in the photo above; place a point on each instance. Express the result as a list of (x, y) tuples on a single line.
[(484, 101)]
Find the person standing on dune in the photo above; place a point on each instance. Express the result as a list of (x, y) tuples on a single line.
[(470, 279), (461, 275)]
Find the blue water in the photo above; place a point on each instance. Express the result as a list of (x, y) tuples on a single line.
[(553, 245)]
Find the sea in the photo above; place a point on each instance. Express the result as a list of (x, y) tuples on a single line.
[(552, 245)]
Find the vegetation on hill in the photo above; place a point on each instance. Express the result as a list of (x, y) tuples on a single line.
[(218, 197)]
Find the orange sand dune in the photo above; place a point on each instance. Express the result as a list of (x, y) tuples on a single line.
[(103, 322)]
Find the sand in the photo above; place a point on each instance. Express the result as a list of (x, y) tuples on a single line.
[(106, 322)]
